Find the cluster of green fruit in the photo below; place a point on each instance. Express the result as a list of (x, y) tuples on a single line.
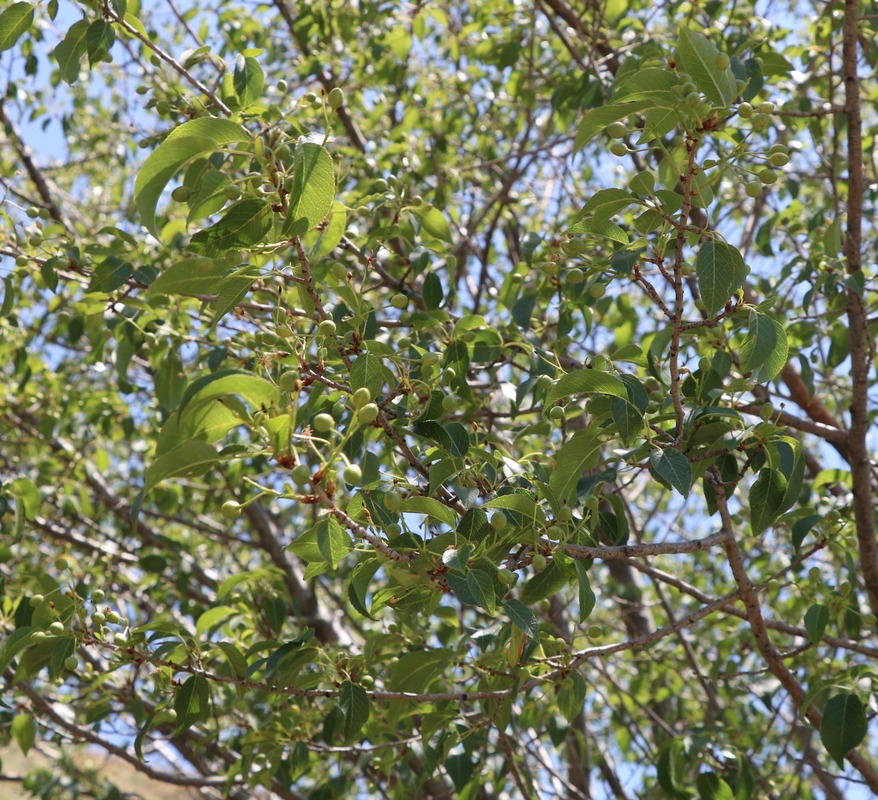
[(99, 620)]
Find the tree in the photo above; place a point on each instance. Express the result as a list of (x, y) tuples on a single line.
[(441, 400)]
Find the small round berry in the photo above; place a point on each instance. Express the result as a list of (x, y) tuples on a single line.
[(575, 276), (753, 188), (335, 98), (231, 509), (597, 290), (556, 413), (767, 176), (288, 381), (71, 663), (506, 576), (393, 502), (617, 130), (36, 601), (399, 301), (367, 414), (181, 194), (98, 618), (361, 397), (745, 111), (301, 474), (323, 423), (539, 562), (353, 474), (56, 628), (61, 563), (98, 595), (722, 61), (765, 108), (327, 327), (619, 149), (498, 521), (120, 640), (779, 159)]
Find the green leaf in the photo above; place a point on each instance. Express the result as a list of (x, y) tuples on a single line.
[(243, 225), (313, 189), (433, 223), (233, 289), (604, 204), (188, 459), (671, 465), (543, 584), (628, 421), (596, 119), (194, 276), (430, 507), (354, 704), (24, 731), (523, 618), (255, 390), (69, 52), (586, 381), (198, 137), (816, 620), (325, 543), (571, 695), (191, 702), (587, 599), (608, 229), (13, 644), (359, 585), (431, 291), (248, 80), (367, 371), (765, 349), (213, 617), (109, 275), (577, 455), (712, 787), (415, 671), (235, 658), (14, 21), (720, 271), (329, 235), (844, 725), (482, 589), (696, 54), (98, 41), (671, 770), (766, 499)]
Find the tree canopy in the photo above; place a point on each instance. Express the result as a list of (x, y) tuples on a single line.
[(440, 399)]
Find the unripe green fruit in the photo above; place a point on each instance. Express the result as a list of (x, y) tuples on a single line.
[(686, 269), (232, 191), (98, 595), (399, 301), (814, 573), (766, 412), (544, 382), (704, 364), (61, 563), (38, 636), (599, 362), (550, 268), (506, 576), (745, 111), (765, 108), (657, 395), (36, 601), (22, 261), (288, 381), (56, 628), (554, 532), (71, 663), (282, 86), (120, 640), (392, 530), (335, 98), (597, 290), (231, 509), (181, 194), (33, 212), (99, 618), (449, 404), (692, 99), (367, 414), (575, 276), (380, 185), (142, 89), (353, 474), (309, 97), (498, 521), (753, 188), (767, 175), (323, 423), (539, 562), (779, 159), (301, 475), (556, 413), (722, 61), (361, 397), (283, 331), (617, 130), (327, 327), (565, 514), (619, 149), (163, 107), (35, 240), (594, 632), (760, 122), (393, 502)]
